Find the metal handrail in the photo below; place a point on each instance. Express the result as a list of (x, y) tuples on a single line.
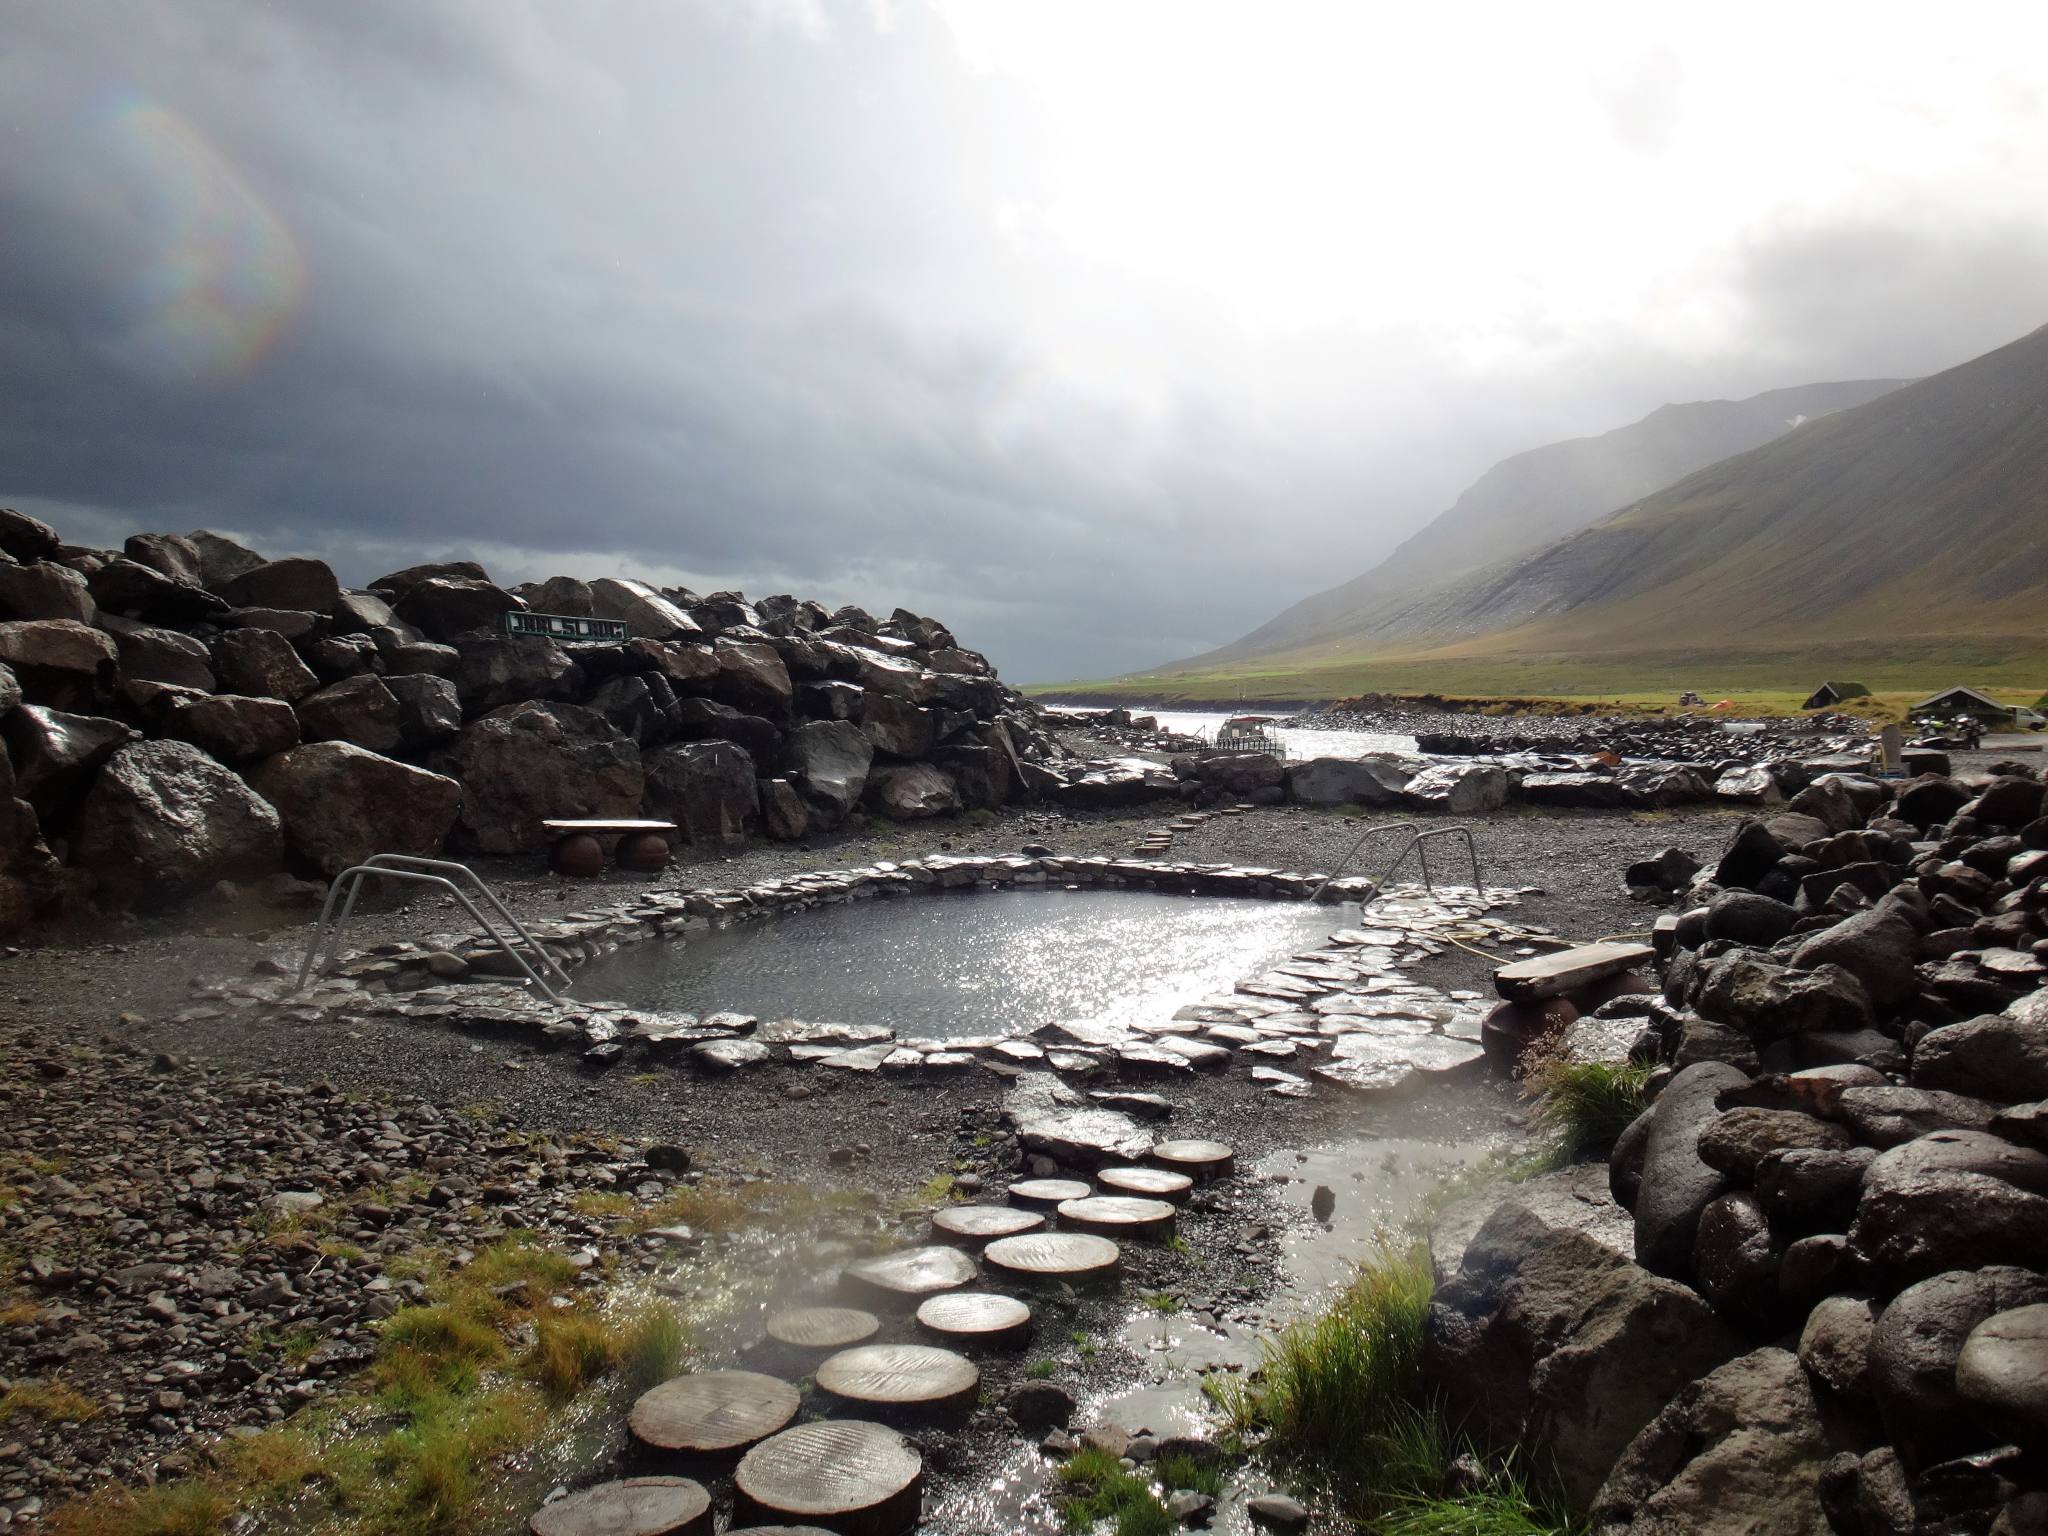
[(354, 876), (1418, 839), (414, 861)]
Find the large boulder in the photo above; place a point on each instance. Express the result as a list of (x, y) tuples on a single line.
[(1876, 947), (1736, 1453), (233, 727), (1954, 1200), (828, 761), (340, 804), (1548, 1338), (1677, 1183), (897, 728), (783, 812), (1914, 1347), (359, 710), (2002, 1373), (643, 610), (912, 791), (150, 655), (531, 762), (44, 591), (429, 709), (398, 583), (26, 538), (1768, 1000), (1347, 781), (168, 554), (221, 559), (262, 664), (2001, 1057), (563, 596), (706, 788), (751, 678), (163, 816), (55, 754), (442, 607), (57, 661), (131, 588), (294, 582), (708, 720), (495, 670), (1459, 789), (688, 668)]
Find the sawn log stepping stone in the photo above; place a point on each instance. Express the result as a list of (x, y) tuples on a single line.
[(861, 1479), (900, 1280), (1044, 1257), (823, 1327), (918, 1378), (979, 1223), (1199, 1160), (1122, 1215), (1046, 1194), (634, 1506), (1149, 1183), (970, 1318), (712, 1413)]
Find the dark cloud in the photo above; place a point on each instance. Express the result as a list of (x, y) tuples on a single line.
[(680, 290)]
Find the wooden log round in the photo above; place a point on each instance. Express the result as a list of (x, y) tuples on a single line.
[(899, 1281), (712, 1413), (1046, 1194), (1119, 1215), (978, 1223), (1148, 1183), (633, 1506), (861, 1479), (902, 1378), (971, 1318), (1075, 1258), (822, 1327), (1199, 1160)]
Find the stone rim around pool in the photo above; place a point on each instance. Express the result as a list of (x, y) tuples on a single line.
[(984, 1318), (863, 1477), (712, 1413)]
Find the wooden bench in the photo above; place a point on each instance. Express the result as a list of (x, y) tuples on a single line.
[(574, 849)]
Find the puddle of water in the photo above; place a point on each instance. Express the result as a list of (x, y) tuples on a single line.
[(948, 966)]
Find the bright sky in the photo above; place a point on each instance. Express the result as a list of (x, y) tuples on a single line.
[(1104, 330)]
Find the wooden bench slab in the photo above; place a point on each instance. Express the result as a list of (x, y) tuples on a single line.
[(1531, 981), (600, 827)]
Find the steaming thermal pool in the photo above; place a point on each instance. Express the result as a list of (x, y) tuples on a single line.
[(947, 966)]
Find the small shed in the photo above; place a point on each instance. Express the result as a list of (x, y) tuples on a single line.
[(1965, 701), (1827, 695)]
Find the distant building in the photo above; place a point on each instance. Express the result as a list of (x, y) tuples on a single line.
[(1965, 701), (1827, 695)]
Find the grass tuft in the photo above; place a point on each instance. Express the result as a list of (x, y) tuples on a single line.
[(1098, 1488), (1585, 1105), (652, 1350), (570, 1351)]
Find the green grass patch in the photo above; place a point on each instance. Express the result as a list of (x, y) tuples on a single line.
[(1042, 1370), (52, 1401), (1585, 1105), (1084, 1344), (1178, 1472), (1098, 1488), (1342, 1399), (652, 1346), (570, 1351)]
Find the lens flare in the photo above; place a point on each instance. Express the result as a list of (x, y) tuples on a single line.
[(218, 273)]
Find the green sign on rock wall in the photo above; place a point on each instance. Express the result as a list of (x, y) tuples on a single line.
[(556, 626)]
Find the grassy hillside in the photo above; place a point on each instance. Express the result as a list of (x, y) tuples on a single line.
[(1902, 543)]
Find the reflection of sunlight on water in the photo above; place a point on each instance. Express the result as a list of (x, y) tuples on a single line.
[(966, 964)]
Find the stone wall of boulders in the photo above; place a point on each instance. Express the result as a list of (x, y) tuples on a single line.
[(182, 711), (1809, 1291)]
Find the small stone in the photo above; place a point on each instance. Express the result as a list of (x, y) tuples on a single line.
[(1277, 1512)]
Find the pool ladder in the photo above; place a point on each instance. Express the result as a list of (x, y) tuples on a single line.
[(1419, 839), (443, 874)]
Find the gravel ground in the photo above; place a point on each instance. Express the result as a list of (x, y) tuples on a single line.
[(114, 988)]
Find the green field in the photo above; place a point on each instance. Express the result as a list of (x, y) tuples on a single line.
[(2011, 669)]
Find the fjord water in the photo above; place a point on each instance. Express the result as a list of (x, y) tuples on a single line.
[(1299, 743), (951, 965)]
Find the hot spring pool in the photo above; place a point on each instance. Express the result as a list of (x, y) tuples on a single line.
[(946, 966)]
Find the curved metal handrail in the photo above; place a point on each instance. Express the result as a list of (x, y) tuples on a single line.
[(1417, 844), (449, 866), (354, 876)]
